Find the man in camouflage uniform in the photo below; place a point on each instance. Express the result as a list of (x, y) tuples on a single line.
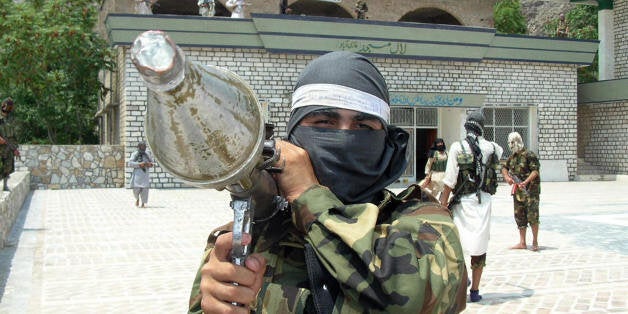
[(8, 142), (562, 29), (346, 245), (360, 9), (522, 170)]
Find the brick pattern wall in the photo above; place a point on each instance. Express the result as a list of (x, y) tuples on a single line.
[(549, 87), (604, 129), (620, 19)]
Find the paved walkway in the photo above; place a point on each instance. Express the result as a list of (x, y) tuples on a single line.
[(92, 251)]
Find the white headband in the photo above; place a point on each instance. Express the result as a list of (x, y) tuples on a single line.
[(339, 96)]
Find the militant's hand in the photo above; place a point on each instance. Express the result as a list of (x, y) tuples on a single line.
[(298, 174), (218, 275)]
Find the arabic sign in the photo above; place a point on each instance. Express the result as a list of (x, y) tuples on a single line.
[(409, 99), (393, 48)]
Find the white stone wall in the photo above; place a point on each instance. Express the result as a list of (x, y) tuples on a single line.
[(621, 38), (552, 88), (11, 204), (605, 130)]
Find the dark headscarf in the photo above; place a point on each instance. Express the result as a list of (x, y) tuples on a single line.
[(475, 122), (435, 147), (475, 127), (355, 164), (141, 155), (340, 68)]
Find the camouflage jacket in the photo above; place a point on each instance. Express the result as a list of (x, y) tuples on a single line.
[(401, 256), (7, 131), (521, 164)]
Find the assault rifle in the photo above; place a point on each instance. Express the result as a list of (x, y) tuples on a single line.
[(517, 184)]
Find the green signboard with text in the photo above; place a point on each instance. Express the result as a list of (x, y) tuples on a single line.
[(413, 99)]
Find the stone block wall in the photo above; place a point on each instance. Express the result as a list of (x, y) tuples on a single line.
[(620, 19), (73, 166), (11, 203), (551, 88), (604, 129)]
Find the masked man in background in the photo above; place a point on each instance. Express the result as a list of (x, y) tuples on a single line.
[(206, 7), (141, 163), (471, 204), (346, 245), (435, 168), (8, 142), (522, 170)]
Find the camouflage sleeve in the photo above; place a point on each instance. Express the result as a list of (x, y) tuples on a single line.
[(195, 294), (414, 263), (506, 165), (533, 162)]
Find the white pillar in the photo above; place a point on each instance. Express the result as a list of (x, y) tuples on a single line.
[(606, 52)]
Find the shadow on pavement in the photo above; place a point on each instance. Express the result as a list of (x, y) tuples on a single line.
[(498, 298), (8, 252)]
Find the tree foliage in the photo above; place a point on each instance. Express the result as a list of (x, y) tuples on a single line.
[(508, 17), (50, 58), (582, 22)]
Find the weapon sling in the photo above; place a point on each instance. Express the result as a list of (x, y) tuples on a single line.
[(323, 286)]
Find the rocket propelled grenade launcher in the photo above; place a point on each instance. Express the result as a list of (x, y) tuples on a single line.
[(204, 125)]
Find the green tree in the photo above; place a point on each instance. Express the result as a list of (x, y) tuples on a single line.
[(50, 57), (508, 17), (582, 22)]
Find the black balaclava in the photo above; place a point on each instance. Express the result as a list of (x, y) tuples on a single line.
[(438, 145), (354, 164), (475, 127)]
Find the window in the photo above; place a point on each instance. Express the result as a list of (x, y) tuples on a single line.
[(416, 121), (501, 121)]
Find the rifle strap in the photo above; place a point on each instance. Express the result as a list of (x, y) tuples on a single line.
[(323, 286)]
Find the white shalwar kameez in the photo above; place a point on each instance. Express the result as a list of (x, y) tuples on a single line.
[(140, 178), (472, 218)]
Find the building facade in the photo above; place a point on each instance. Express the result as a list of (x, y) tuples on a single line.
[(435, 73), (603, 105)]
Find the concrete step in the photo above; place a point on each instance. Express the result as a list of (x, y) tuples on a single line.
[(595, 177)]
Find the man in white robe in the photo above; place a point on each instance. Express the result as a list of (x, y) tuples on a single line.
[(471, 204), (141, 162)]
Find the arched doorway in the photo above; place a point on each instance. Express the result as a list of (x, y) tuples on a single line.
[(318, 8), (186, 7), (431, 16)]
